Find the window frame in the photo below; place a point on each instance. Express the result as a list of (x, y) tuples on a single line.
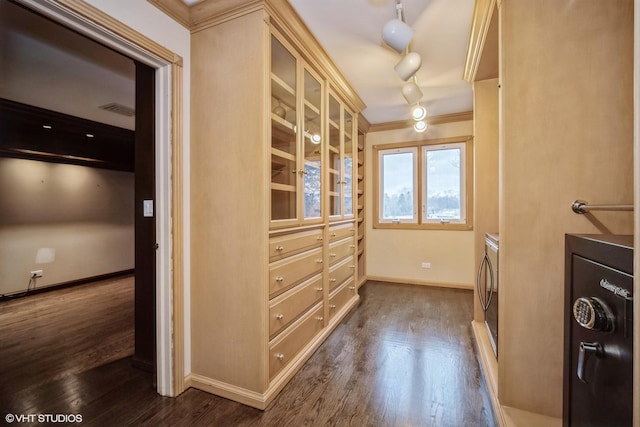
[(421, 223)]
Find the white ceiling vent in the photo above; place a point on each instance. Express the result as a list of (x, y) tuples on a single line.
[(114, 107)]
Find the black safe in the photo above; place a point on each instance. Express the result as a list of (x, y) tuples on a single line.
[(598, 337)]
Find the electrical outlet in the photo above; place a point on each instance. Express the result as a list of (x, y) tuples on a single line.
[(37, 273), (426, 265)]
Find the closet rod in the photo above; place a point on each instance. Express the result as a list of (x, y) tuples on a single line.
[(580, 207)]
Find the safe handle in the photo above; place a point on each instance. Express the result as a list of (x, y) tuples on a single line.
[(587, 349)]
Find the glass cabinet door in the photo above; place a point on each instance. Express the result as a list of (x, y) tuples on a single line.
[(335, 163), (347, 164), (283, 133), (312, 147)]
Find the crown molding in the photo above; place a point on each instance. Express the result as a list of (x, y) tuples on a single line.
[(176, 9), (482, 45), (282, 16), (435, 120)]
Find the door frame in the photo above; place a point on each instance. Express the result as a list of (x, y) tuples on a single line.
[(97, 25), (636, 213)]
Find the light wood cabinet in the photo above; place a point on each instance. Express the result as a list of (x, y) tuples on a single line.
[(524, 78), (272, 202)]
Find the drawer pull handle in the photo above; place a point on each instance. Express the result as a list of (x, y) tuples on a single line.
[(352, 246), (319, 318), (280, 316), (319, 238), (333, 234), (333, 255), (353, 288), (333, 279), (319, 289), (332, 306), (279, 279), (279, 248), (319, 261), (352, 266), (352, 229), (279, 356)]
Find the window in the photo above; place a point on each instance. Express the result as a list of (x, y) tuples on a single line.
[(398, 184), (434, 175), (443, 183)]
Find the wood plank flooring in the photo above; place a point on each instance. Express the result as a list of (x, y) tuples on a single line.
[(404, 357)]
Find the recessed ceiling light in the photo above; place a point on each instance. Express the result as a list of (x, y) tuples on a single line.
[(47, 126), (89, 135)]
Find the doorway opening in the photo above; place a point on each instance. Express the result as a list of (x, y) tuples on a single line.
[(161, 241)]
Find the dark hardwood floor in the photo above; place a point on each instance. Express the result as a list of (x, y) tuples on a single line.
[(404, 357)]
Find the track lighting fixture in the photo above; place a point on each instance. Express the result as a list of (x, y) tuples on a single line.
[(397, 34)]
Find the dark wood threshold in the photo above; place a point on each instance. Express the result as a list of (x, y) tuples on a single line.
[(20, 294), (143, 365)]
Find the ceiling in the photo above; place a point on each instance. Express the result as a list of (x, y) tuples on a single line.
[(48, 66), (350, 32)]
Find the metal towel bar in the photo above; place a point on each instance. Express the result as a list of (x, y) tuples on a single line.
[(580, 207)]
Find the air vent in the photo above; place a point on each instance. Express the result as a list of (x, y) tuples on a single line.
[(119, 109)]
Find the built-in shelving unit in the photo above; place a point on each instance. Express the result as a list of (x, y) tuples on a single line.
[(360, 209), (275, 238)]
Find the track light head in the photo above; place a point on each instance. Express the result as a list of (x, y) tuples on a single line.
[(397, 34), (418, 112), (412, 93)]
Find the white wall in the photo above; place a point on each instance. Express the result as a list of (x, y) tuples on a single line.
[(398, 254), (72, 222)]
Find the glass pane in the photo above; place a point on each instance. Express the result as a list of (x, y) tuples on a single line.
[(312, 199), (397, 186), (312, 143), (283, 204), (283, 133), (347, 171), (443, 184), (334, 183), (335, 165), (283, 171), (334, 123)]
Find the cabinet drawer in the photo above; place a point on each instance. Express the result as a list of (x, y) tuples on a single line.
[(341, 272), (286, 273), (340, 297), (288, 244), (287, 307), (289, 343), (338, 232), (341, 249)]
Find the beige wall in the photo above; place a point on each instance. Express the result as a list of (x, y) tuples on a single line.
[(82, 217), (566, 133), (398, 254)]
